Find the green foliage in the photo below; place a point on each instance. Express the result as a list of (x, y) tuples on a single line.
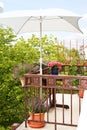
[(72, 70), (22, 69), (36, 105), (85, 73), (23, 51), (75, 70), (6, 36), (75, 82), (55, 67), (3, 128), (11, 94), (59, 83), (12, 53), (11, 100)]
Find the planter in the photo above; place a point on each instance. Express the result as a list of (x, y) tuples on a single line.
[(55, 66), (38, 120), (81, 93), (54, 72)]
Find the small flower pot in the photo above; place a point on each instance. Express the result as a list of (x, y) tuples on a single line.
[(54, 72), (38, 120)]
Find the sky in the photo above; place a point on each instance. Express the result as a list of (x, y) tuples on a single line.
[(76, 6)]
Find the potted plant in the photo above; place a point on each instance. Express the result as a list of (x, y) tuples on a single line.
[(37, 109), (55, 67)]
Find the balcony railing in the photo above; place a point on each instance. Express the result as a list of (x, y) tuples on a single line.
[(56, 86)]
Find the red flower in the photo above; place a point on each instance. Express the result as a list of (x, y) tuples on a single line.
[(58, 64)]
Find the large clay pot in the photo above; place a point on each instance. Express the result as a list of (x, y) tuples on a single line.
[(39, 117)]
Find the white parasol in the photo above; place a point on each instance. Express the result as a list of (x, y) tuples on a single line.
[(41, 20)]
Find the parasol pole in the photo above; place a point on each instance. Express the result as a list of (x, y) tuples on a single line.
[(40, 45), (40, 56)]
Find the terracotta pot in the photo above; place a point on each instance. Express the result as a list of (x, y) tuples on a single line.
[(38, 120), (81, 93)]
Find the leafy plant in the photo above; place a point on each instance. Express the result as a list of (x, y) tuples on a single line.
[(22, 70), (36, 105), (75, 82), (73, 70)]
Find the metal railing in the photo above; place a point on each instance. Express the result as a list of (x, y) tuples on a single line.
[(56, 86)]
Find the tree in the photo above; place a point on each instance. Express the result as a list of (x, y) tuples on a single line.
[(12, 52), (10, 101)]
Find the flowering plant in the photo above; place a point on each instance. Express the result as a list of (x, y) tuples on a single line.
[(55, 65)]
